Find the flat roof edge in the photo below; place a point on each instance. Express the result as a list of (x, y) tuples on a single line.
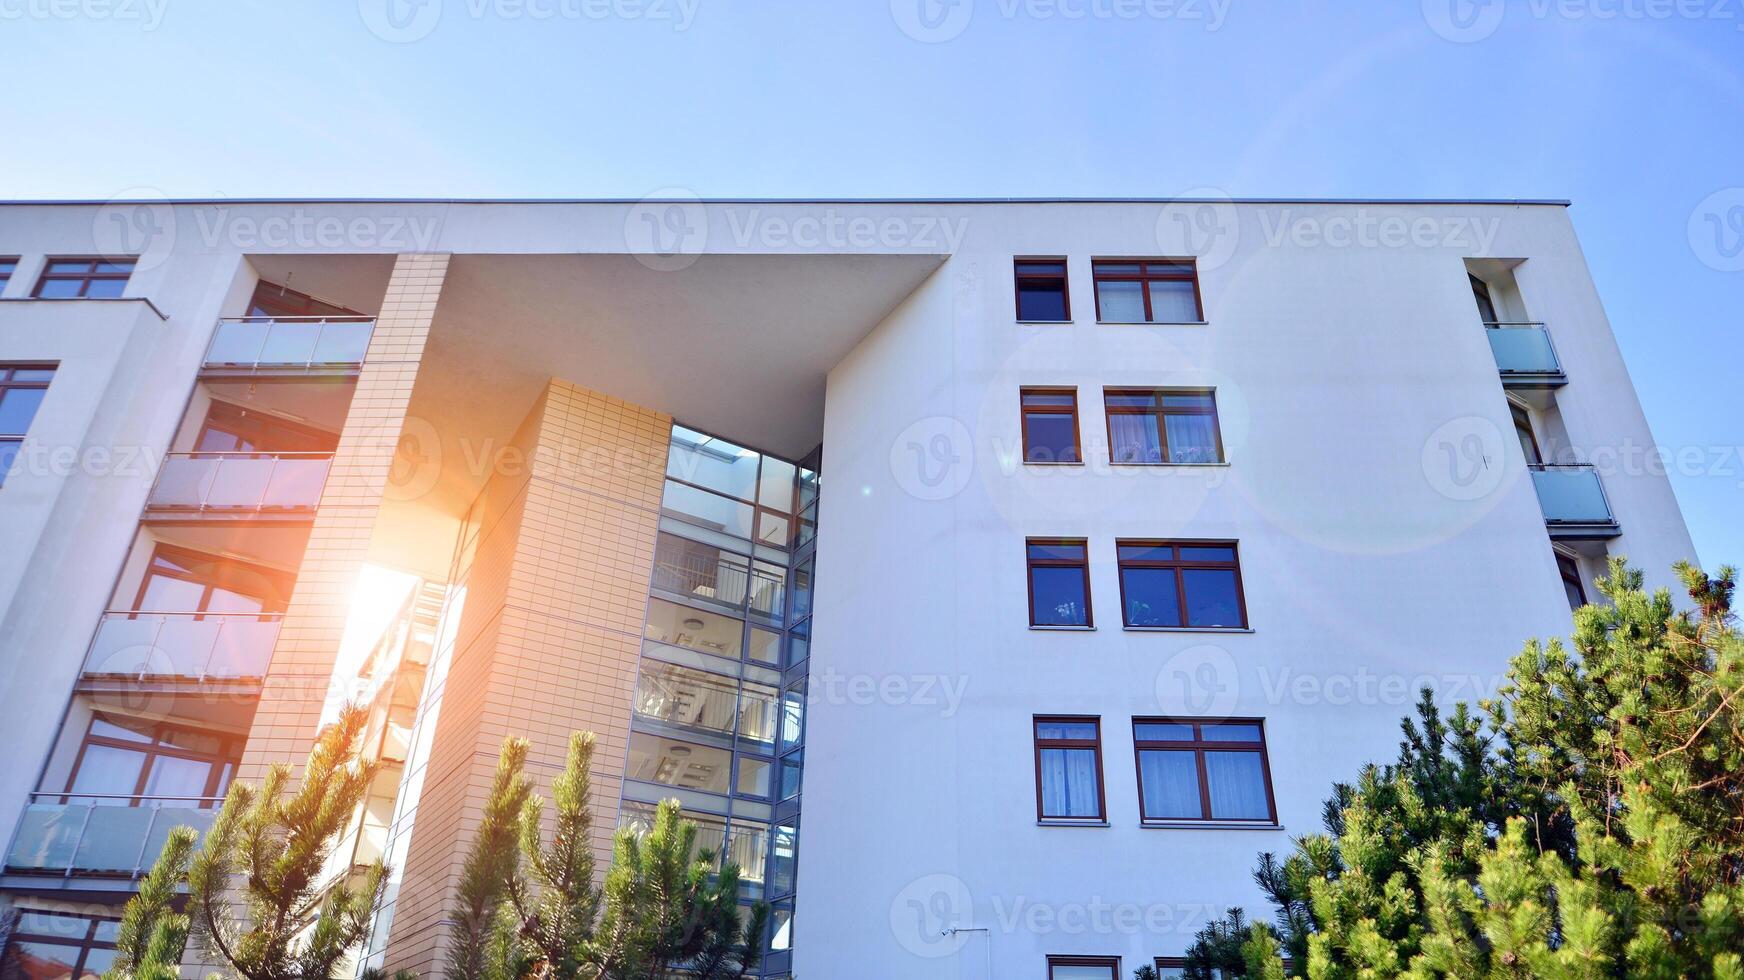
[(1391, 201)]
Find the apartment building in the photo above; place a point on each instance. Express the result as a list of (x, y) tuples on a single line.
[(990, 580)]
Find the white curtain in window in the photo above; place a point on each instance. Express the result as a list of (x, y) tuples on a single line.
[(1069, 783), (1238, 786), (1192, 439), (1135, 439), (1171, 785)]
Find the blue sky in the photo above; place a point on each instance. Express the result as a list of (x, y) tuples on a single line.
[(1634, 109)]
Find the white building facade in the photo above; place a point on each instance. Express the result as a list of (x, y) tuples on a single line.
[(994, 580)]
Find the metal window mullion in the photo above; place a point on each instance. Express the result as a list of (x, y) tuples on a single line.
[(73, 858), (150, 825)]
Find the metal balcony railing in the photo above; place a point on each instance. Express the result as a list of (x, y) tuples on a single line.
[(1571, 495), (239, 481), (1523, 349), (289, 343), (191, 646), (101, 834)]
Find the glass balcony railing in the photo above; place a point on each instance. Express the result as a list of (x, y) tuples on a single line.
[(289, 343), (240, 481), (196, 646), (1571, 494), (77, 833), (1523, 349)]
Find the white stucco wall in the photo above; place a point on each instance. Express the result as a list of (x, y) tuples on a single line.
[(1339, 371)]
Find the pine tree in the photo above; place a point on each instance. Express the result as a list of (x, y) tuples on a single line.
[(265, 853), (665, 907), (484, 879), (558, 907), (1594, 830), (152, 936)]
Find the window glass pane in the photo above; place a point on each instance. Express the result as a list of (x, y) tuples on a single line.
[(773, 529), (1171, 785), (41, 961), (17, 407), (1192, 438), (791, 770), (781, 869), (802, 590), (1069, 783), (98, 962), (109, 771), (105, 288), (1231, 733), (119, 265), (1129, 399), (1146, 552), (792, 718), (165, 594), (1048, 399), (1162, 732), (1121, 302), (189, 740), (707, 509), (768, 586), (1237, 784), (1066, 551), (685, 697), (1211, 597), (775, 485), (781, 929), (1134, 439), (1151, 597), (713, 463), (8, 453), (60, 288), (1041, 268), (757, 713), (1050, 438), (1062, 971), (748, 847), (671, 762), (68, 265), (1117, 268), (107, 930), (123, 728), (1203, 553), (693, 629), (754, 777), (1041, 300), (695, 569), (33, 374), (1081, 730), (1172, 301), (765, 646), (1058, 596), (1184, 400), (171, 776)]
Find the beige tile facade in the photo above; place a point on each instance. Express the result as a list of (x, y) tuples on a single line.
[(300, 676), (549, 638)]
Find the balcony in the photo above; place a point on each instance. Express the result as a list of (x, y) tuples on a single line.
[(257, 345), (1574, 502), (65, 835), (1525, 355), (200, 647), (239, 484)]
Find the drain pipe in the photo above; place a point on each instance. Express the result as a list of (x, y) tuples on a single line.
[(957, 929)]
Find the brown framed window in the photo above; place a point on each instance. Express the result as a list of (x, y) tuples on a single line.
[(1059, 581), (1572, 585), (1068, 758), (1192, 770), (22, 389), (179, 580), (1175, 968), (1176, 584), (83, 278), (230, 428), (125, 761), (1486, 303), (48, 945), (1523, 431), (1151, 426), (1147, 291), (1084, 968), (8, 265), (1050, 425), (1042, 293), (272, 299)]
